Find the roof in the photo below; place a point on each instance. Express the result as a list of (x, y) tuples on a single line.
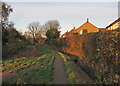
[(113, 22), (65, 33), (72, 30), (102, 28), (87, 23)]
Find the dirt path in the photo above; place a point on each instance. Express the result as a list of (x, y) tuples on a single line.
[(59, 73), (59, 76)]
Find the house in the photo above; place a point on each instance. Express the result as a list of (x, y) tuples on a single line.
[(72, 32), (88, 27), (114, 25), (102, 29)]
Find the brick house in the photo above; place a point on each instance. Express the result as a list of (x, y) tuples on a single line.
[(64, 35), (91, 28), (87, 26), (102, 29), (114, 25)]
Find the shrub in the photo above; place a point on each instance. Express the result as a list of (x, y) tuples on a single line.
[(98, 53), (12, 42)]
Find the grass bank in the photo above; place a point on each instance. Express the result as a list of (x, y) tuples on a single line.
[(68, 69), (74, 73), (37, 70)]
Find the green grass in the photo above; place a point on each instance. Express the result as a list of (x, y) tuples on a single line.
[(70, 72), (43, 74), (43, 48)]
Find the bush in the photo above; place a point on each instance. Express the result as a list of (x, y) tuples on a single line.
[(98, 53), (12, 42), (52, 36), (52, 33)]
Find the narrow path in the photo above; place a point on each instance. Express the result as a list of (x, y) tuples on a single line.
[(59, 72)]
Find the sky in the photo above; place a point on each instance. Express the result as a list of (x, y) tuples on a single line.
[(61, 0), (69, 14)]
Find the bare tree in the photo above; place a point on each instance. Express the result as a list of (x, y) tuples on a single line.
[(34, 29), (52, 24)]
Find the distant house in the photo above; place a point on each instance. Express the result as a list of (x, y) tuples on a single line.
[(87, 26), (72, 32), (114, 25), (64, 35)]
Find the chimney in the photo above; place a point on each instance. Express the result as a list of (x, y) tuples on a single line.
[(74, 27), (87, 20)]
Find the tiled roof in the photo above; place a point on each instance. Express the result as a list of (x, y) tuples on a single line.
[(102, 28)]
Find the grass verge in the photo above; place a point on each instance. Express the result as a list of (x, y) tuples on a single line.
[(68, 68)]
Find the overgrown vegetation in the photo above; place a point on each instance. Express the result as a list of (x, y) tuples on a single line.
[(107, 62), (78, 45), (98, 54), (12, 40), (74, 74), (52, 32), (52, 36)]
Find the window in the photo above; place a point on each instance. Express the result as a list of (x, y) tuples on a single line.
[(85, 31), (81, 32)]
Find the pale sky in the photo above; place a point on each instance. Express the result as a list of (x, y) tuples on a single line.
[(61, 0), (69, 14)]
